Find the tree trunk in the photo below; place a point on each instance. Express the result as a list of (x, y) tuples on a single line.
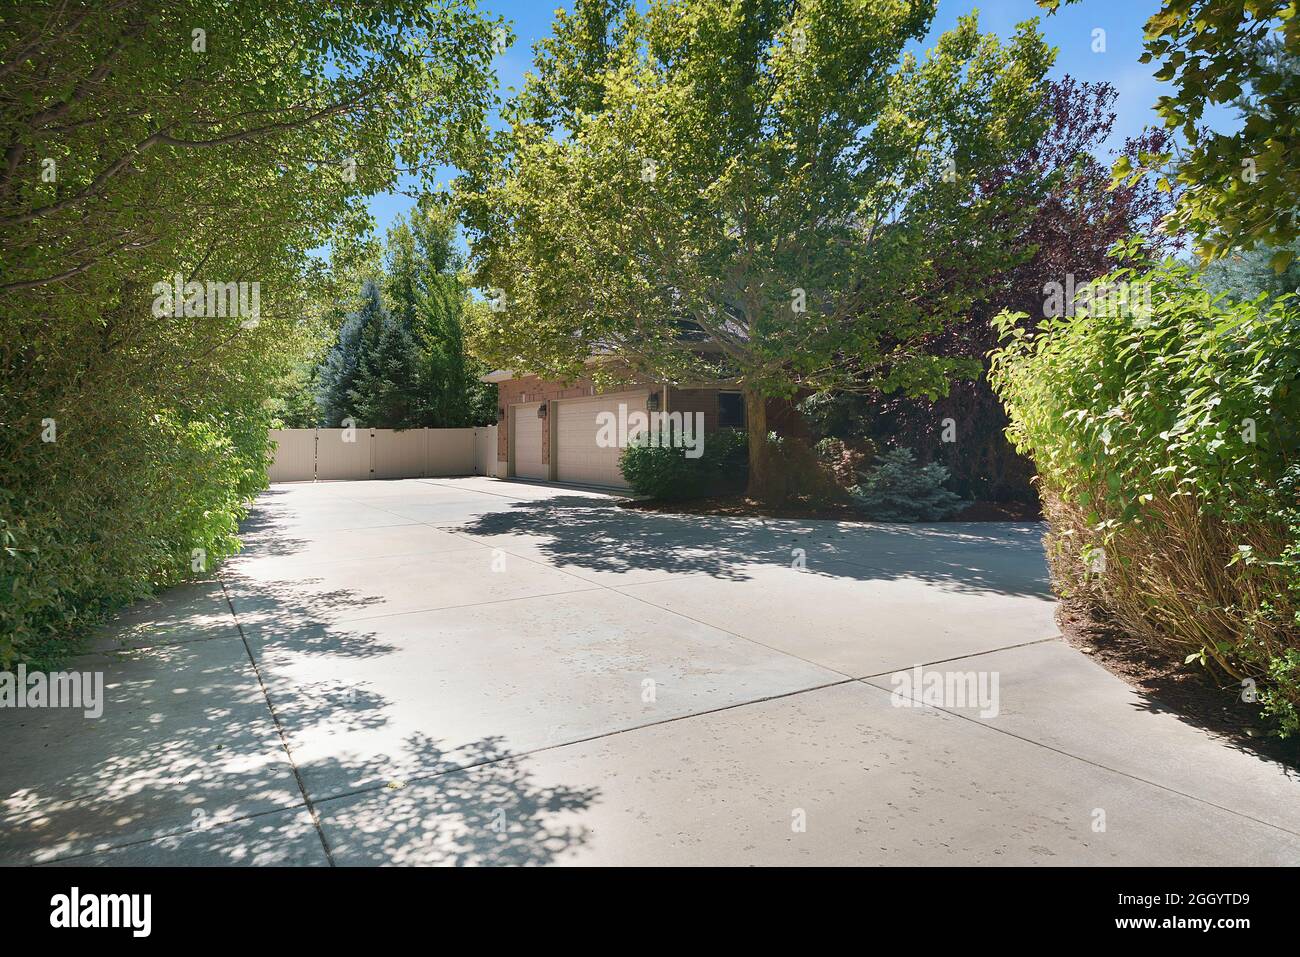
[(760, 477)]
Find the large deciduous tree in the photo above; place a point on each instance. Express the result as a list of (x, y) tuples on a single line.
[(762, 194), (218, 142), (1073, 237)]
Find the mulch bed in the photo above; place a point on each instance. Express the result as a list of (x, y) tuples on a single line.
[(738, 506), (999, 512), (1188, 691)]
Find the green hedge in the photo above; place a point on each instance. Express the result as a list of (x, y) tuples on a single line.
[(1165, 439), (666, 473), (108, 516), (160, 400)]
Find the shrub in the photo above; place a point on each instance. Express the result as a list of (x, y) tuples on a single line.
[(896, 489), (77, 544), (665, 473), (726, 458), (844, 461), (662, 472), (1166, 446), (799, 474)]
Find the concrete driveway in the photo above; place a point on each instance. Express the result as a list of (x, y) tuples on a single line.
[(468, 671)]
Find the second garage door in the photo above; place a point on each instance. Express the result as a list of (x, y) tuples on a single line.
[(581, 459), (526, 436)]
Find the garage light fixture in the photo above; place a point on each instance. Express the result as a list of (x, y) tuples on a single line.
[(652, 402), (541, 411)]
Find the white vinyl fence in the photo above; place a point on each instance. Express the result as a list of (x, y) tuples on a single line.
[(295, 455), (303, 455), (344, 454)]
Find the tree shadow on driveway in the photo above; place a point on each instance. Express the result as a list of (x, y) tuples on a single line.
[(1000, 558), (489, 812), (186, 764), (186, 767)]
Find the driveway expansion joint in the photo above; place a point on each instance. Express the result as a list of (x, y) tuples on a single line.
[(279, 729)]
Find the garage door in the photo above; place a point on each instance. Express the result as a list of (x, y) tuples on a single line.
[(526, 436), (580, 459)]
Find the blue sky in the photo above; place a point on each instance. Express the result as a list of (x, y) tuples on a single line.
[(1070, 30)]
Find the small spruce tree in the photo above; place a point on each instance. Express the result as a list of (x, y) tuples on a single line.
[(897, 490)]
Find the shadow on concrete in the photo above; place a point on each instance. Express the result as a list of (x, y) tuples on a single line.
[(1167, 686), (288, 610), (185, 742), (575, 531), (186, 766), (188, 749), (490, 813)]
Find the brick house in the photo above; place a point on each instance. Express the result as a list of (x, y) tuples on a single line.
[(547, 428)]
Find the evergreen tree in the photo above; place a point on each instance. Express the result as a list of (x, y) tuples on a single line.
[(386, 391), (399, 361), (338, 374), (428, 293), (1244, 274)]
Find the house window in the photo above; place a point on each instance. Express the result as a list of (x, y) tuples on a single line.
[(731, 410)]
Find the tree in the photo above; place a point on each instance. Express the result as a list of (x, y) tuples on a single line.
[(752, 193), (217, 142), (386, 391), (1071, 239), (1246, 274), (428, 292), (1242, 185), (340, 375), (399, 361), (294, 405)]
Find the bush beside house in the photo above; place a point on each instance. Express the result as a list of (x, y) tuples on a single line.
[(665, 473), (895, 488)]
